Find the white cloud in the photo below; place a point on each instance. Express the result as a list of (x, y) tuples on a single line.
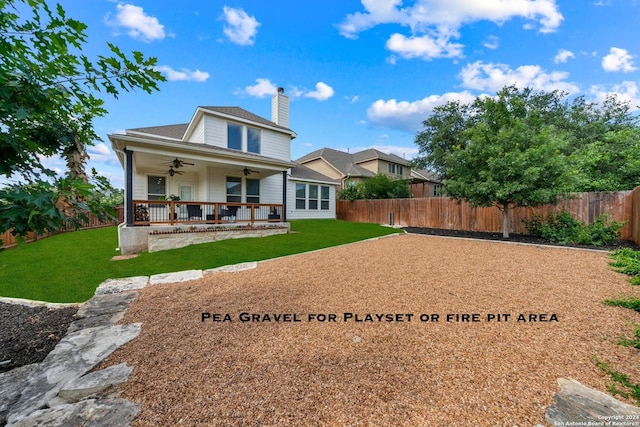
[(240, 28), (425, 47), (625, 91), (322, 93), (563, 56), (352, 99), (493, 77), (184, 74), (139, 25), (99, 149), (408, 116), (491, 42), (262, 88), (433, 23), (618, 60)]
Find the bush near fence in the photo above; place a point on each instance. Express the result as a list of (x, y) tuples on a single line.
[(446, 213), (9, 240)]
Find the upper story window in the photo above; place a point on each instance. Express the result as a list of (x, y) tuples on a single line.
[(253, 140), (234, 136), (244, 138), (395, 169)]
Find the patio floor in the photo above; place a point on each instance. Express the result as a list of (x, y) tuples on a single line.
[(441, 368)]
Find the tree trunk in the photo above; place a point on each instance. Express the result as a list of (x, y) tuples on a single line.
[(505, 221), (76, 157)]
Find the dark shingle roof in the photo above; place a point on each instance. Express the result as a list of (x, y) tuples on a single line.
[(167, 131), (244, 114), (303, 172), (372, 153)]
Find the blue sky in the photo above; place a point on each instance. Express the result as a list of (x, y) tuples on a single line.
[(360, 74)]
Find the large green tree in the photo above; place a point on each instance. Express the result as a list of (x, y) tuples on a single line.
[(49, 95), (49, 88), (502, 151)]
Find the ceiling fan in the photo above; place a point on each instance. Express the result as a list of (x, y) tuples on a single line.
[(173, 172), (248, 171), (177, 163)]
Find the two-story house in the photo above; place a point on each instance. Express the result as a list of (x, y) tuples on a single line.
[(225, 165), (356, 167)]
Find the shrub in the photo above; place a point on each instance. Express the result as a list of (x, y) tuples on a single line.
[(626, 261), (561, 227)]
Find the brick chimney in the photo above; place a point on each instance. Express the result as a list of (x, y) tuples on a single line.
[(280, 108)]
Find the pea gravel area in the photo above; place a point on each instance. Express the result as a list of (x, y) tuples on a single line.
[(380, 373)]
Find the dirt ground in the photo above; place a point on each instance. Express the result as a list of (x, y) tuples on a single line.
[(435, 367)]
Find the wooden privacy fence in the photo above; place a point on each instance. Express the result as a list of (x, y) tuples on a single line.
[(9, 240), (443, 212)]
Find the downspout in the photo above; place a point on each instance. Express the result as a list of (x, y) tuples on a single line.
[(284, 196), (128, 192)]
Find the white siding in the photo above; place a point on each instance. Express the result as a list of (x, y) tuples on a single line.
[(271, 189), (198, 132), (293, 213), (215, 132), (276, 145)]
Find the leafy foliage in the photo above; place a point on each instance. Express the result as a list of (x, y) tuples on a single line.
[(561, 227), (630, 303), (47, 85), (352, 191), (41, 206), (627, 261), (381, 186), (504, 151)]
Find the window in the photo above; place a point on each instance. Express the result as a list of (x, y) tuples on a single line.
[(157, 187), (395, 169), (253, 140), (234, 189), (253, 190), (301, 196), (324, 197), (437, 190), (313, 197), (234, 136)]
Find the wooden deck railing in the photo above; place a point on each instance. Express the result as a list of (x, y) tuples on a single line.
[(194, 212)]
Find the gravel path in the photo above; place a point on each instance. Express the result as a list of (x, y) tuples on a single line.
[(380, 373)]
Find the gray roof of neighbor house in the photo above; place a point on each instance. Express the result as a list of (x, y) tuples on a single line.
[(347, 163), (177, 131), (425, 175), (305, 173), (372, 153)]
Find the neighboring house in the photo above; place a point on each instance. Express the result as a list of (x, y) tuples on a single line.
[(425, 183), (226, 165), (357, 167)]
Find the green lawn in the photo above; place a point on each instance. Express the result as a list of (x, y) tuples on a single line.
[(68, 267)]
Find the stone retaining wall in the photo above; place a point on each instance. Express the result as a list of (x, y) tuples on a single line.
[(161, 242)]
